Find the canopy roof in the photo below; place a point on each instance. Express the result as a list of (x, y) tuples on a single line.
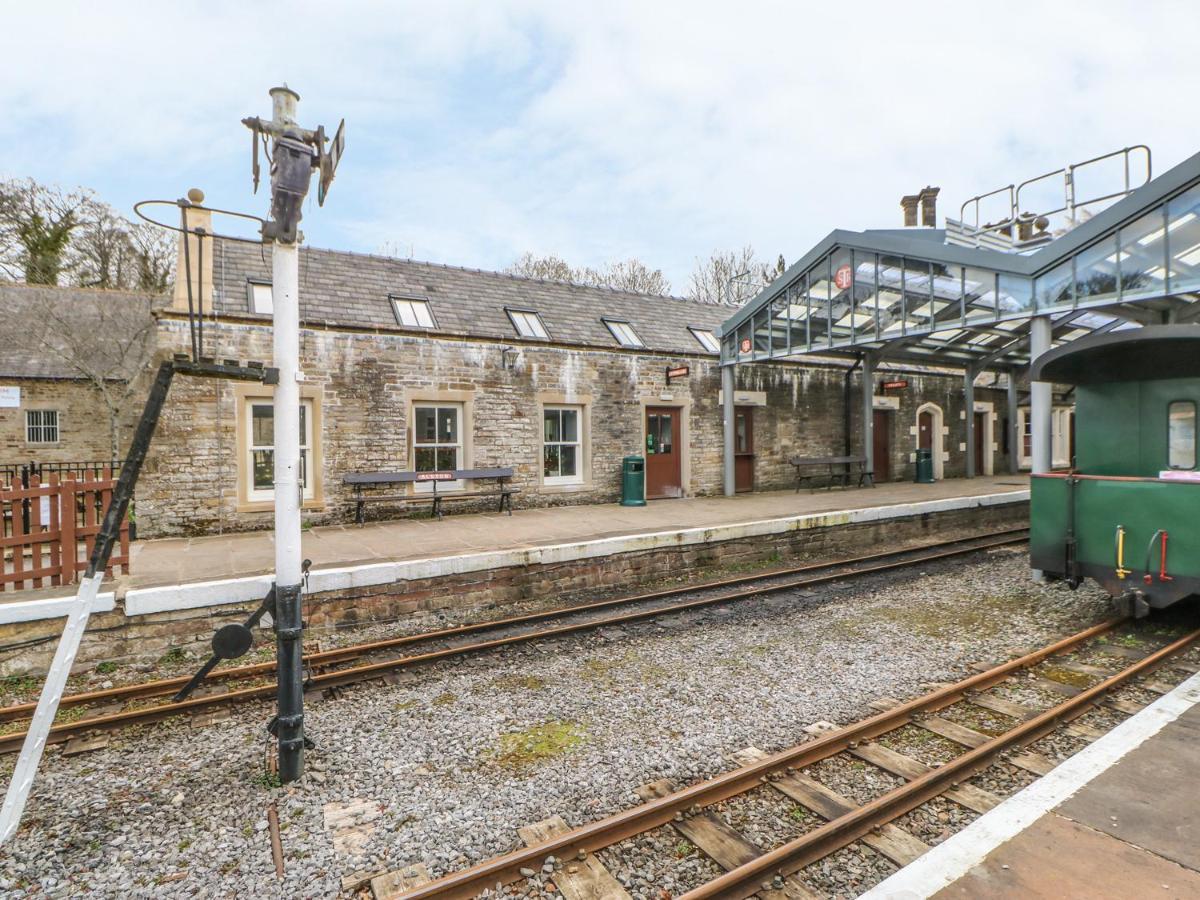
[(910, 295), (1144, 354)]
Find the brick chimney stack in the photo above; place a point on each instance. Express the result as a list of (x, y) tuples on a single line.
[(908, 203), (928, 198)]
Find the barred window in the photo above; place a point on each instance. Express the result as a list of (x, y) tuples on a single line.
[(41, 426)]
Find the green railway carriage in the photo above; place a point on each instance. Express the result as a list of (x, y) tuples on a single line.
[(1127, 514)]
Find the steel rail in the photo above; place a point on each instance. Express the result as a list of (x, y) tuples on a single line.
[(746, 880), (627, 823), (59, 733), (164, 686)]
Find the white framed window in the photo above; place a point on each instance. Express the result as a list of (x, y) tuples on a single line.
[(707, 339), (41, 426), (527, 323), (437, 441), (1181, 434), (260, 298), (623, 332), (260, 449), (562, 445), (413, 312)]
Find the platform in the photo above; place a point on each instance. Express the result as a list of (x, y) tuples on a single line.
[(1119, 819), (179, 573)]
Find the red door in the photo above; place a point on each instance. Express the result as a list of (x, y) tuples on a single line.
[(881, 441), (663, 453), (925, 431), (743, 448)]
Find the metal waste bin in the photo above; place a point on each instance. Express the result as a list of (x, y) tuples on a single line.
[(924, 473), (633, 481)]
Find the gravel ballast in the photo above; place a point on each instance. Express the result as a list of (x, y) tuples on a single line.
[(444, 767)]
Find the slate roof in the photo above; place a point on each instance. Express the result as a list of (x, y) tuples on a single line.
[(28, 347), (352, 289)]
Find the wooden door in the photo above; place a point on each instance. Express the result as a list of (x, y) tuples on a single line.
[(663, 453), (925, 431), (980, 434), (743, 448), (881, 441)]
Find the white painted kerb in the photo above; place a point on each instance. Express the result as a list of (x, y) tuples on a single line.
[(957, 855), (195, 595)]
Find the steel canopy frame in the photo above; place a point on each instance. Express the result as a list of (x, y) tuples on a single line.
[(912, 297)]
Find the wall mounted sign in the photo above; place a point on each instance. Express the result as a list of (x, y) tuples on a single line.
[(435, 476), (842, 277), (677, 372), (894, 385), (10, 397), (746, 345)]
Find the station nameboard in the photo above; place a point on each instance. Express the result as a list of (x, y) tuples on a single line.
[(894, 385), (677, 372), (435, 476)]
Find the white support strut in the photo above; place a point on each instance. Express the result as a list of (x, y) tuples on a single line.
[(39, 728)]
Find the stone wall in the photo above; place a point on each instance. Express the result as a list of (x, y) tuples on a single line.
[(113, 636), (83, 424), (366, 381)]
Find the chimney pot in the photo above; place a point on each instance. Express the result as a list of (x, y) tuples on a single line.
[(908, 203)]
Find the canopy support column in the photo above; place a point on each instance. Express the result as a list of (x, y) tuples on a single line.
[(869, 359), (969, 406), (728, 390), (1014, 426), (1041, 400)]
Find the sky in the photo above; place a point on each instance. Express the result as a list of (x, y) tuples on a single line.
[(595, 131)]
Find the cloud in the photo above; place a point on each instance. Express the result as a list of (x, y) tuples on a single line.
[(661, 130)]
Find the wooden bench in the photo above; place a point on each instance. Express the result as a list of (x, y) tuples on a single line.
[(837, 468), (364, 484)]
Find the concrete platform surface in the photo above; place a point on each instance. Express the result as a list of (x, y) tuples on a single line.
[(1122, 821), (180, 560)]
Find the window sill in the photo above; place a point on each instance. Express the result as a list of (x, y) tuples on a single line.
[(316, 504), (571, 487)]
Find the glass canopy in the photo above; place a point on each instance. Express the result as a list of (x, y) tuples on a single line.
[(917, 299)]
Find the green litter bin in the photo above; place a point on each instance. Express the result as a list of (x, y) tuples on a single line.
[(633, 481), (924, 474)]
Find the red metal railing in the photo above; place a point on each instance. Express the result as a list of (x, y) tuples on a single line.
[(47, 529)]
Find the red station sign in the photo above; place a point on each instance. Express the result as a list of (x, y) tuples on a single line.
[(894, 385), (842, 277)]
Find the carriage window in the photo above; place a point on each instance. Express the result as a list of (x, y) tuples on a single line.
[(1181, 434)]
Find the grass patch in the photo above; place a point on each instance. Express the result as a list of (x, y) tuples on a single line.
[(518, 683), (800, 814), (267, 780), (684, 849), (539, 743), (172, 656), (107, 667), (1065, 676), (445, 699)]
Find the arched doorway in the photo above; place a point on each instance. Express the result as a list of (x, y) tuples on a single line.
[(930, 435)]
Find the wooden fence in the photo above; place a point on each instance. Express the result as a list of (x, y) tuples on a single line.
[(48, 528)]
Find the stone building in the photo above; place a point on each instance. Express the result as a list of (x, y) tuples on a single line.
[(51, 408), (412, 365)]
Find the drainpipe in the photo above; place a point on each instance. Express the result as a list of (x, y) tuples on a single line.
[(1014, 431)]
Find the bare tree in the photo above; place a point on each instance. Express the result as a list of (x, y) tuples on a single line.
[(631, 275), (106, 337), (36, 227), (547, 268), (732, 277), (48, 236)]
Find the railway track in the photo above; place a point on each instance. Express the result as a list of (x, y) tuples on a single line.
[(126, 705), (1066, 672)]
